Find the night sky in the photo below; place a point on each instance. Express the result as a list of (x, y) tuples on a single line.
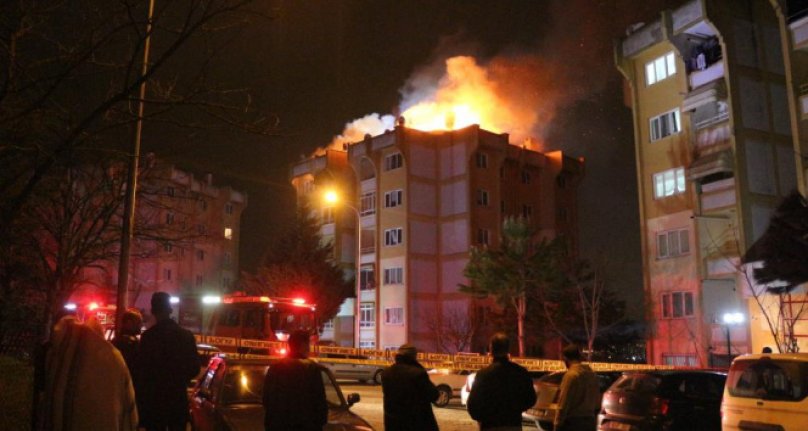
[(320, 64)]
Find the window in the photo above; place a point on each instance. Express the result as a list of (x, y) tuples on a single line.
[(393, 236), (166, 274), (367, 315), (168, 247), (673, 243), (677, 304), (199, 280), (367, 344), (482, 197), (170, 191), (368, 204), (228, 233), (228, 208), (200, 255), (669, 183), (328, 325), (660, 68), (482, 160), (393, 199), (525, 177), (367, 278), (202, 229), (394, 316), (169, 218), (203, 205), (527, 211), (227, 258), (502, 206), (666, 124), (393, 161), (327, 216), (394, 275), (482, 236)]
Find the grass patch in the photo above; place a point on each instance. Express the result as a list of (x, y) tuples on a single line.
[(16, 384)]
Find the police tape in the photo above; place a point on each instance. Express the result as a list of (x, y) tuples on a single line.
[(262, 349)]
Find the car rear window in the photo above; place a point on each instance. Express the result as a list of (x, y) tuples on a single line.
[(779, 380)]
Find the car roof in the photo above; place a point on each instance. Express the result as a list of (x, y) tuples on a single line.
[(803, 357)]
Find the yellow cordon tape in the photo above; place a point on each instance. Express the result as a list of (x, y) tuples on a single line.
[(459, 362)]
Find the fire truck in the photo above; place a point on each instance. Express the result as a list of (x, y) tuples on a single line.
[(259, 324)]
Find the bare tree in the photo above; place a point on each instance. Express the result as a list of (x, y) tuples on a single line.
[(455, 329)]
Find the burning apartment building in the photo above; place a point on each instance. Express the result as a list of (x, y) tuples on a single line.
[(417, 201)]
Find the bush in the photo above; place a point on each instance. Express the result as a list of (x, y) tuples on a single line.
[(16, 385)]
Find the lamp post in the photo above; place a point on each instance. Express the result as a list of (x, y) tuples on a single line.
[(333, 198), (730, 319)]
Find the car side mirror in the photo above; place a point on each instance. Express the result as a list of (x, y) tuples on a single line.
[(353, 399)]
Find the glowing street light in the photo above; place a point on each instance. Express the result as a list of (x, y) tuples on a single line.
[(332, 197)]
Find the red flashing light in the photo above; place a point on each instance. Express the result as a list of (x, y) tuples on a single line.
[(282, 351), (299, 301)]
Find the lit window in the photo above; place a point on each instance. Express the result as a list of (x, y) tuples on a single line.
[(482, 197), (393, 199), (366, 278), (367, 344), (368, 204), (482, 160), (669, 183), (393, 236), (228, 233), (673, 243), (367, 315), (677, 304), (666, 124), (394, 275), (660, 68), (394, 316), (393, 161), (482, 236)]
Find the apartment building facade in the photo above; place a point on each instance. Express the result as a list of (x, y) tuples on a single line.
[(715, 154), (423, 200), (186, 242)]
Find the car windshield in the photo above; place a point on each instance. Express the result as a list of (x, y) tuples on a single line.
[(244, 384), (780, 380)]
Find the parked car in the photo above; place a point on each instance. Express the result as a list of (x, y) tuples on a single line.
[(229, 398), (547, 392), (449, 383), (671, 400), (344, 369), (767, 392)]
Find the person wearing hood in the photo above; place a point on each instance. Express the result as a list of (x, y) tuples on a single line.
[(579, 395), (408, 394)]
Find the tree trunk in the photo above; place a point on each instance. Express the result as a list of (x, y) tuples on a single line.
[(521, 305)]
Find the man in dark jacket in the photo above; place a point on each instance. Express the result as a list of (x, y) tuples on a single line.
[(166, 363), (501, 391), (128, 343), (408, 393), (294, 394)]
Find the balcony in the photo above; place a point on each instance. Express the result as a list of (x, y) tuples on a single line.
[(799, 33), (718, 194), (701, 77)]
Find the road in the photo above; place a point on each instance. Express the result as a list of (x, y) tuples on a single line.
[(450, 418)]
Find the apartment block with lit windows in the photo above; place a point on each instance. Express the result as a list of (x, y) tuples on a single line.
[(423, 200), (188, 243), (714, 154)]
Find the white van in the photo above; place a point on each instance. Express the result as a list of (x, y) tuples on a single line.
[(766, 392)]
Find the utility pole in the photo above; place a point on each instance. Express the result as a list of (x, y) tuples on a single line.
[(131, 187)]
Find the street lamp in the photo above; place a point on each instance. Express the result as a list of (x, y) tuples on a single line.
[(332, 197), (730, 319)]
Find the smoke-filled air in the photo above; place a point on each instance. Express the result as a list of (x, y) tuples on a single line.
[(515, 95)]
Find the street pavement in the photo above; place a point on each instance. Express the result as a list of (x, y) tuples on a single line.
[(453, 417)]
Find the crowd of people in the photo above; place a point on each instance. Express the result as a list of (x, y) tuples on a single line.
[(139, 381), (84, 382)]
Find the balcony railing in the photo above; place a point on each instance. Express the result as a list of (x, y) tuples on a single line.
[(701, 77)]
